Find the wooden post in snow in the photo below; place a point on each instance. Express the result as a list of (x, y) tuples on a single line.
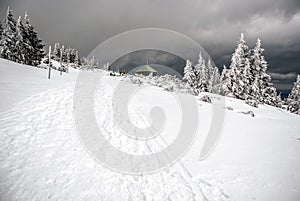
[(61, 55), (49, 73)]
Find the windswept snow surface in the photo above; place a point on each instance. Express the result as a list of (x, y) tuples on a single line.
[(42, 157)]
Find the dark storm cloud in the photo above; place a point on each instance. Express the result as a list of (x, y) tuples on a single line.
[(142, 57), (214, 24), (283, 81)]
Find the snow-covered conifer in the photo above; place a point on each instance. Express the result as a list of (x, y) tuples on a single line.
[(1, 30), (213, 77), (235, 84), (210, 69), (215, 81), (248, 78), (293, 101), (106, 66), (76, 59), (189, 75), (56, 51), (68, 55), (63, 53), (224, 79), (34, 42), (20, 46), (8, 40), (202, 75), (267, 93)]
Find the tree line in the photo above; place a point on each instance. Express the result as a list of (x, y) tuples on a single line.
[(71, 56), (246, 78), (19, 41)]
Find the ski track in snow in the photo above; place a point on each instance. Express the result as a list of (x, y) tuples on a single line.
[(42, 158)]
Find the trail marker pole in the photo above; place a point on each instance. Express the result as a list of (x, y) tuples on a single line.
[(49, 73)]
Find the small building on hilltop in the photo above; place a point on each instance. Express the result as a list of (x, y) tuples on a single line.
[(145, 70)]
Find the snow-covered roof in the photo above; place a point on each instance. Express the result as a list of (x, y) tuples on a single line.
[(145, 68)]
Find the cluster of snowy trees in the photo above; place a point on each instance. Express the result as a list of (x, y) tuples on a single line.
[(70, 56), (167, 82), (66, 55), (245, 79), (89, 64), (203, 77), (19, 41)]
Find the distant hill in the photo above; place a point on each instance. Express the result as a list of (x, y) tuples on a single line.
[(157, 58), (161, 70)]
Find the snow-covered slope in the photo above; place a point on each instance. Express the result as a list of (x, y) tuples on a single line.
[(42, 157), (18, 82)]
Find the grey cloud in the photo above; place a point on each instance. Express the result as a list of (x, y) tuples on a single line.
[(281, 76)]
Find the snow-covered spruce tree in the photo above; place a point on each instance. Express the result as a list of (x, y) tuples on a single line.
[(68, 55), (106, 66), (63, 54), (213, 78), (202, 76), (8, 40), (235, 85), (189, 76), (251, 87), (224, 81), (210, 71), (35, 44), (72, 55), (21, 45), (293, 101), (76, 59), (279, 101), (1, 31), (266, 92), (56, 51), (215, 81)]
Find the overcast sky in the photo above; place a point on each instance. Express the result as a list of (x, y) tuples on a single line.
[(214, 24)]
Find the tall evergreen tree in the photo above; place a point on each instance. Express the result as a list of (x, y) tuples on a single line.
[(203, 78), (8, 40), (293, 101), (189, 75), (1, 35), (215, 81), (1, 31), (224, 79), (267, 93), (202, 75), (236, 82), (56, 51), (212, 76), (76, 59), (20, 45), (210, 68), (197, 68), (35, 44), (251, 92)]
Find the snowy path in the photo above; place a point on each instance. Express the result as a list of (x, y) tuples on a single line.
[(42, 158)]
